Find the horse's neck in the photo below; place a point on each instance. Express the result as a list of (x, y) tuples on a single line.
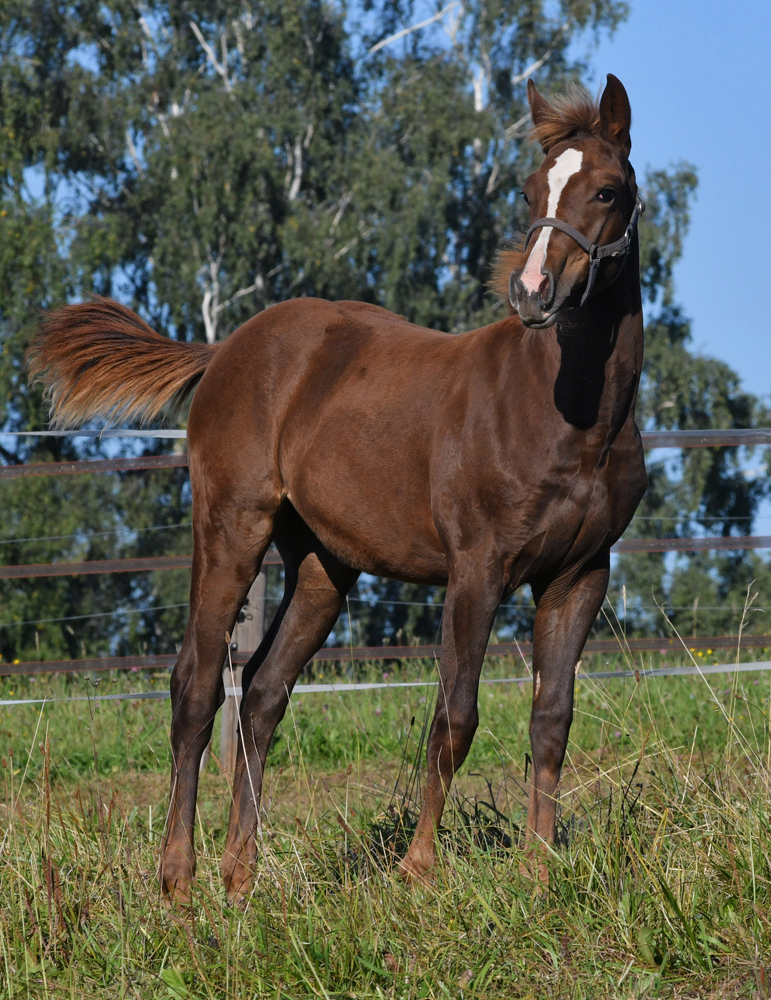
[(600, 349)]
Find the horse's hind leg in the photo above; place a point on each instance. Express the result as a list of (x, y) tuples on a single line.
[(316, 587), (228, 552)]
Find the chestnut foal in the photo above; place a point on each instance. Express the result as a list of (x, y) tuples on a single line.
[(358, 442)]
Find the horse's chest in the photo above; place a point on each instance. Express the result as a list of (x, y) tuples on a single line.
[(576, 511)]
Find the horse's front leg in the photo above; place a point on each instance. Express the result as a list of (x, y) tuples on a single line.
[(565, 613), (473, 595)]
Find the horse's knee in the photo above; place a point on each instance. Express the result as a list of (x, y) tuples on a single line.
[(452, 733), (549, 730), (192, 717), (463, 725)]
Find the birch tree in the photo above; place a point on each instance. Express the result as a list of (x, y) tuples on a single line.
[(204, 160)]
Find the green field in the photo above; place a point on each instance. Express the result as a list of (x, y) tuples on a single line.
[(659, 885)]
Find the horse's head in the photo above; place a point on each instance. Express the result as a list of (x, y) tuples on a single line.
[(583, 205)]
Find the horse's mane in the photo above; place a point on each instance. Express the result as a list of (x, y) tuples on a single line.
[(567, 116)]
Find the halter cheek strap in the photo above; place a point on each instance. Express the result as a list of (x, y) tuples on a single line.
[(619, 248)]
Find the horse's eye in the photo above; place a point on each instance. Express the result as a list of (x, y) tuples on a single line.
[(607, 195), (527, 200)]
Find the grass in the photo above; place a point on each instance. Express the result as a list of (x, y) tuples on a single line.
[(659, 886)]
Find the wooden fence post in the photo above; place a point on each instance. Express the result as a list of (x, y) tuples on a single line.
[(248, 631)]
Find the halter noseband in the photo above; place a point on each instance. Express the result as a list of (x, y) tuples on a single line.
[(619, 248)]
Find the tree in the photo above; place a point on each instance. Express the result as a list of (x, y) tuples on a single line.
[(699, 491), (202, 161)]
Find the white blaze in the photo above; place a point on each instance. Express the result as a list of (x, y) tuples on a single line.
[(566, 164)]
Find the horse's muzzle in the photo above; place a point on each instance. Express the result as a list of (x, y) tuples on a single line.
[(535, 308)]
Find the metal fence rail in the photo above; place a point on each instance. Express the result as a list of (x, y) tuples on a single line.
[(711, 543), (93, 465), (358, 654), (732, 438), (91, 566), (95, 566), (302, 689), (152, 563)]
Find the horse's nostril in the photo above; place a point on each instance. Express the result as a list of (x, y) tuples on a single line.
[(546, 291)]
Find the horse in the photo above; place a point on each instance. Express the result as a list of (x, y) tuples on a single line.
[(356, 441)]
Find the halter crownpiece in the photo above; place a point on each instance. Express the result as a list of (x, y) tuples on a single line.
[(619, 248)]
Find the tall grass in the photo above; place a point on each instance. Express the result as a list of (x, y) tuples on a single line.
[(659, 885)]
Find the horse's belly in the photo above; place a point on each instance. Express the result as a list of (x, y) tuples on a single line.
[(374, 523)]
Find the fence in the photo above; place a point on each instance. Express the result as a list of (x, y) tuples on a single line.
[(655, 439), (303, 689), (152, 563), (252, 629), (354, 654)]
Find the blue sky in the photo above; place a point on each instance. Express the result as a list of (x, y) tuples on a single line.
[(699, 82)]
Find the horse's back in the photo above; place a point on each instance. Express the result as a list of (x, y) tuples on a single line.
[(313, 344), (309, 320), (297, 355)]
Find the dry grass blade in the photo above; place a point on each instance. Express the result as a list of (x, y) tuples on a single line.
[(660, 885)]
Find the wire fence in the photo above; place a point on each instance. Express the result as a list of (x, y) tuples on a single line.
[(658, 439), (129, 530), (149, 564), (351, 688), (732, 438), (361, 654), (707, 438), (368, 604)]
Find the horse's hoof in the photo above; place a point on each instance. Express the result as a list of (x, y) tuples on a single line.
[(534, 868), (238, 879), (238, 898), (176, 876), (416, 869), (238, 894), (177, 892)]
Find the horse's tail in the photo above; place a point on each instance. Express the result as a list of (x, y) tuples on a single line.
[(99, 360)]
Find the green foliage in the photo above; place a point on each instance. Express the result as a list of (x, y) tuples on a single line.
[(128, 516), (204, 160), (698, 491), (663, 227), (210, 149)]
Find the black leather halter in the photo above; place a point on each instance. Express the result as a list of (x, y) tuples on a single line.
[(619, 248)]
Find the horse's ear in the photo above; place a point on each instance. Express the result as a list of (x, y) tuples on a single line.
[(540, 109), (616, 114)]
